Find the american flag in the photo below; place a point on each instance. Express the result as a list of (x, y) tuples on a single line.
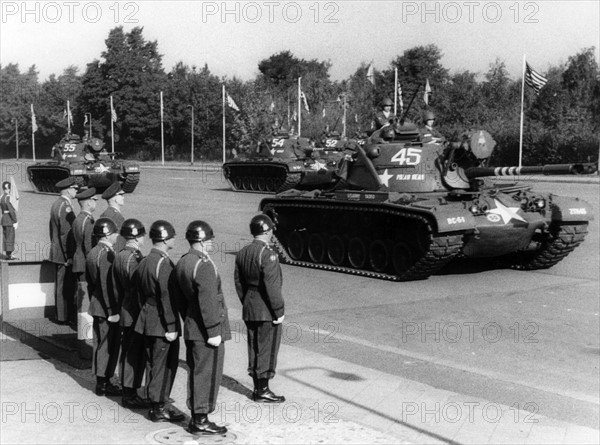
[(231, 103), (534, 79)]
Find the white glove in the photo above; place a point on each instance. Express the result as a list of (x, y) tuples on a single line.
[(114, 318), (214, 341), (16, 225), (279, 320), (171, 336)]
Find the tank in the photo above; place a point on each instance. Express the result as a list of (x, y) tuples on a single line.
[(282, 162), (403, 209), (86, 160)]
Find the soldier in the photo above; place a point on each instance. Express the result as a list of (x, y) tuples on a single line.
[(8, 222), (83, 227), (258, 283), (132, 357), (428, 133), (103, 306), (61, 219), (385, 116), (115, 199), (158, 321), (206, 326)]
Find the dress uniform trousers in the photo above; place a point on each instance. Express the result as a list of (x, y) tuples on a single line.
[(164, 356), (133, 358), (264, 339), (8, 238), (106, 347), (205, 364), (65, 284)]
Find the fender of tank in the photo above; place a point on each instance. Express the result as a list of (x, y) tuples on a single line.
[(403, 209), (282, 162), (88, 161)]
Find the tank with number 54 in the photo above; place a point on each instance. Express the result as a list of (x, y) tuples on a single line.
[(403, 209)]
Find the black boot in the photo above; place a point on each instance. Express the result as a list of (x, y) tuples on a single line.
[(262, 393), (199, 424), (162, 413), (105, 388), (132, 401)]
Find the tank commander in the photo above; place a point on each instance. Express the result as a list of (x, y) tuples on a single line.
[(385, 116), (428, 133)]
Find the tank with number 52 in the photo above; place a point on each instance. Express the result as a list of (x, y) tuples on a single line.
[(404, 208)]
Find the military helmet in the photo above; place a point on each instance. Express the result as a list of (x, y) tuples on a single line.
[(132, 228), (261, 224), (161, 230), (386, 102), (388, 133), (428, 116), (199, 231), (104, 227)]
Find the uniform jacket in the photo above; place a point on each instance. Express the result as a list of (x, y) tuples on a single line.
[(99, 279), (9, 215), (381, 120), (124, 267), (154, 279), (258, 282), (61, 218), (118, 219), (429, 133), (200, 298), (83, 226)]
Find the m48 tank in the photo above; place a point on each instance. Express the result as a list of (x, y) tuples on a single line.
[(282, 162), (405, 208), (88, 162)]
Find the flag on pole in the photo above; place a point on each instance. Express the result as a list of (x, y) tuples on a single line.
[(85, 120), (14, 193), (231, 103), (400, 102), (69, 115), (371, 74), (34, 126), (272, 106), (324, 112), (534, 79), (303, 96), (295, 115), (356, 118), (427, 92), (113, 113)]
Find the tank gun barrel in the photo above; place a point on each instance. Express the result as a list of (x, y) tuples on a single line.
[(552, 169)]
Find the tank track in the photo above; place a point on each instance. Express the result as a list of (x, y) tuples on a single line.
[(268, 179), (43, 178), (439, 252), (130, 182), (557, 245)]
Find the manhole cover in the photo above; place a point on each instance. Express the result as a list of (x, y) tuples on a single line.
[(179, 435)]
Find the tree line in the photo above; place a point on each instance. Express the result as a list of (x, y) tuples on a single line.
[(561, 123)]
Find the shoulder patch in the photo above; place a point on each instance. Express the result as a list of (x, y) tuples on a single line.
[(273, 257), (68, 209)]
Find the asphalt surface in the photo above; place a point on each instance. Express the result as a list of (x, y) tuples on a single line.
[(527, 340)]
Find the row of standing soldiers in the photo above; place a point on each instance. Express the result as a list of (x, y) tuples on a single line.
[(136, 303)]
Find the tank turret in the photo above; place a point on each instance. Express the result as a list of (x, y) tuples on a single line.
[(402, 209), (88, 161)]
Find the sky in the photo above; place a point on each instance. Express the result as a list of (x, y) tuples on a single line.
[(233, 37)]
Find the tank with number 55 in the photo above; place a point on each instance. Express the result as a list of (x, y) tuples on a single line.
[(403, 209)]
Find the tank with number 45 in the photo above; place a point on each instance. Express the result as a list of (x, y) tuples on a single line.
[(403, 209), (87, 161), (282, 162)]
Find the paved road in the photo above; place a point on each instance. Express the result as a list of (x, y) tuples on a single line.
[(527, 340)]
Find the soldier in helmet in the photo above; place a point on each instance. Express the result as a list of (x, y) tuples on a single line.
[(206, 326), (114, 196), (385, 116), (133, 358), (103, 307), (428, 133), (158, 321), (258, 284)]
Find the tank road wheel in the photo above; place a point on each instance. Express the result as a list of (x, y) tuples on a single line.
[(357, 253), (379, 255), (254, 183), (262, 184), (317, 248), (401, 258), (237, 182), (336, 250), (296, 245), (245, 183)]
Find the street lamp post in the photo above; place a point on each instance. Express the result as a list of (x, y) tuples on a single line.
[(16, 135), (192, 147)]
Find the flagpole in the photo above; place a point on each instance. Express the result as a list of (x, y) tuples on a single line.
[(522, 100), (395, 91), (162, 135), (68, 118), (112, 126), (223, 123), (299, 108), (32, 134), (344, 122)]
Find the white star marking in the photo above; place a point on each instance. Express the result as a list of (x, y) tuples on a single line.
[(385, 178), (318, 165), (506, 213), (101, 168)]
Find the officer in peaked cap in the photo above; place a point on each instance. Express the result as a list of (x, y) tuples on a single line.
[(115, 199), (61, 249), (83, 227), (86, 193), (258, 284)]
